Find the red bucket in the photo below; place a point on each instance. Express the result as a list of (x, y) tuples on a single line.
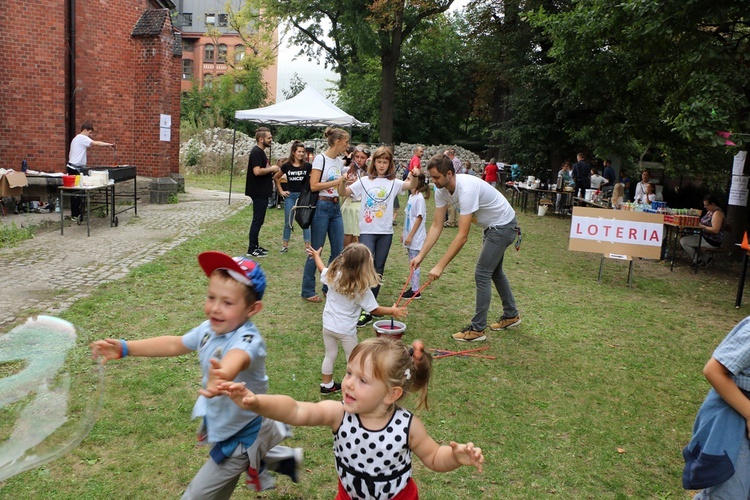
[(383, 328), (69, 181)]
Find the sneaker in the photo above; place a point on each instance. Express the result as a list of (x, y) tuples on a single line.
[(330, 390), (264, 250), (257, 253), (258, 482), (291, 466), (284, 250), (364, 319), (410, 293), (469, 335), (504, 323)]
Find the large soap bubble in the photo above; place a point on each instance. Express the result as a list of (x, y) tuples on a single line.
[(50, 393)]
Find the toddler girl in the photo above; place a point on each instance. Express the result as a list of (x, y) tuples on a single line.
[(373, 437), (414, 229), (350, 278)]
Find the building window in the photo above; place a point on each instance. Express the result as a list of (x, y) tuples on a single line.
[(184, 19), (239, 53), (223, 20), (208, 52), (208, 81), (210, 19), (238, 87), (222, 53), (188, 45), (187, 69)]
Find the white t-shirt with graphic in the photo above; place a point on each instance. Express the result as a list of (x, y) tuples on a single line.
[(475, 196), (415, 207), (330, 171), (377, 196)]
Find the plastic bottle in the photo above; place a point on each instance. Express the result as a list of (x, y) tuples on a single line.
[(24, 165)]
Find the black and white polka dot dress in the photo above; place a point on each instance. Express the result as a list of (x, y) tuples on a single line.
[(373, 464)]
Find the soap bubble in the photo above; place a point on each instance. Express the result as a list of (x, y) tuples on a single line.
[(50, 393)]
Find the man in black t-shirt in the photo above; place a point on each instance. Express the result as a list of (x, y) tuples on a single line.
[(259, 186)]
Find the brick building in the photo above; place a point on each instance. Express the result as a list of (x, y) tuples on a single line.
[(114, 63), (205, 57)]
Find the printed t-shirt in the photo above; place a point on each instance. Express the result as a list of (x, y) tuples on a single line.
[(295, 176), (377, 203), (330, 171)]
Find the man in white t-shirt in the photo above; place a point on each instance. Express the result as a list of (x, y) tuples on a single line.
[(77, 158), (81, 143), (474, 199)]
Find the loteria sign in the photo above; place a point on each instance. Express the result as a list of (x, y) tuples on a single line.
[(616, 234)]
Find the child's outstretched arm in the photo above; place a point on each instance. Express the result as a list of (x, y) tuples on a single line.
[(157, 347), (721, 379), (395, 311), (226, 370), (442, 458), (285, 409), (315, 254)]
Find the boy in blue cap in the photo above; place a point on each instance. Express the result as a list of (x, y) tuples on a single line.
[(239, 438)]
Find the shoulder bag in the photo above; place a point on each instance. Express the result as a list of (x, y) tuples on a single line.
[(304, 207)]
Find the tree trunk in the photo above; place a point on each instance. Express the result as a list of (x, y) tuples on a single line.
[(390, 53)]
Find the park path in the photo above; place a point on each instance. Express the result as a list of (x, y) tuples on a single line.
[(51, 271)]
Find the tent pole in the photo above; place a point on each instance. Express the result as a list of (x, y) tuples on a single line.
[(231, 166)]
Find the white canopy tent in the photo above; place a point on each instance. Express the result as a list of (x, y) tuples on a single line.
[(306, 109)]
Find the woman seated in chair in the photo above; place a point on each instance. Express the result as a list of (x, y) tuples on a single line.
[(710, 236)]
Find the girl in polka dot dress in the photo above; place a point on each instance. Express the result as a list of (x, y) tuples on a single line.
[(373, 436)]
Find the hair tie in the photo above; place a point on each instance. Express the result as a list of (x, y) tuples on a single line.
[(411, 351), (407, 374)]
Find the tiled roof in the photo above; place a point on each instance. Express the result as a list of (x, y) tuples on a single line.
[(150, 23)]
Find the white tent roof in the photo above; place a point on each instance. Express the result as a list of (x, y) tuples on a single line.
[(306, 109)]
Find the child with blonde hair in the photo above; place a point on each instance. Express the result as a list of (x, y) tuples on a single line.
[(618, 195), (374, 437), (350, 278)]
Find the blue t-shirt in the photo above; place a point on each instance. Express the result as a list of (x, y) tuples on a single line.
[(734, 353), (223, 417)]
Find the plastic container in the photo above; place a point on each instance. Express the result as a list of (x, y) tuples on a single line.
[(542, 210), (383, 329), (69, 180), (589, 194)]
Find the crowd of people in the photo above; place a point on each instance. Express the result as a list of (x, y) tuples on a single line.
[(241, 423)]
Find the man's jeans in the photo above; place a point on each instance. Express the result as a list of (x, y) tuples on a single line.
[(327, 221), (289, 218), (489, 269)]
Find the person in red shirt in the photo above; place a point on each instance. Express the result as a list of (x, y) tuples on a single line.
[(490, 173), (416, 160)]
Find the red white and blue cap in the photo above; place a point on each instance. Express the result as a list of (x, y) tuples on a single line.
[(242, 269)]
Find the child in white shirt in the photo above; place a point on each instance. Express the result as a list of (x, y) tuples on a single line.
[(414, 229)]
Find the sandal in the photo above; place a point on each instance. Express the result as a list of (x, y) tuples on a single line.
[(314, 299)]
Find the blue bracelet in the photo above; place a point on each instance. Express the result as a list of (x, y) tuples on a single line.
[(124, 348)]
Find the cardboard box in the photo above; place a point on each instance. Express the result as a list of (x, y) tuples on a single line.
[(12, 184)]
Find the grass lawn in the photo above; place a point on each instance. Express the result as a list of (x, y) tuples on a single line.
[(593, 396)]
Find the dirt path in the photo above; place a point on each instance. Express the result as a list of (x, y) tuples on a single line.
[(51, 271)]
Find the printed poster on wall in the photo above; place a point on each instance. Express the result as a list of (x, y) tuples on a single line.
[(738, 165), (165, 128), (738, 191)]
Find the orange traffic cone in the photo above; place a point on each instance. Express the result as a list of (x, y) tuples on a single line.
[(745, 245)]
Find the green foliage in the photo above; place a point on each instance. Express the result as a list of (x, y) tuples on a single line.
[(193, 154), (173, 199), (11, 234)]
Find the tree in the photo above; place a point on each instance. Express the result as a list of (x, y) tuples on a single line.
[(354, 30)]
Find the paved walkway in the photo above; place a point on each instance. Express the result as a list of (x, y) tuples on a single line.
[(50, 272)]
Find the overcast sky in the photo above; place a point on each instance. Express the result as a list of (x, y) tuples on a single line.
[(312, 72)]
